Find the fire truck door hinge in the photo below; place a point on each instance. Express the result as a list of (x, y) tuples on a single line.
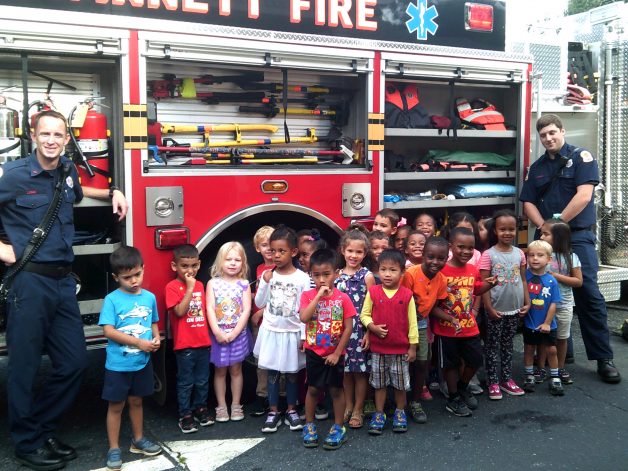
[(458, 72), (402, 70), (99, 47), (267, 59), (145, 166), (511, 76), (167, 51), (354, 66)]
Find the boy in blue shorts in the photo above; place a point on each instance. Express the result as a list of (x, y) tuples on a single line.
[(539, 331), (129, 319)]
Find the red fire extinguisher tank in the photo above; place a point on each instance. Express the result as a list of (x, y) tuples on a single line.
[(92, 139)]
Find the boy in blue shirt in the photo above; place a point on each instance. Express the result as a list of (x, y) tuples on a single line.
[(540, 326), (129, 319)]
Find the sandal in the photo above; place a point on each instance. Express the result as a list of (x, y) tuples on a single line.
[(356, 421), (347, 416)]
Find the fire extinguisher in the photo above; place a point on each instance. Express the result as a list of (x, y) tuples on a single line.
[(9, 133), (92, 147)]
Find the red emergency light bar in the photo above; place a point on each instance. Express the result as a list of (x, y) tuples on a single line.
[(169, 238), (478, 17)]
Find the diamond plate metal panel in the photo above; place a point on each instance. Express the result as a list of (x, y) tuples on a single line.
[(546, 56), (614, 236)]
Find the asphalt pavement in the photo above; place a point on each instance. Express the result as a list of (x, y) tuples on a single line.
[(584, 430)]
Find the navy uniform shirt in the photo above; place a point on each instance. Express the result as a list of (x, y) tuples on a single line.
[(26, 191), (575, 167)]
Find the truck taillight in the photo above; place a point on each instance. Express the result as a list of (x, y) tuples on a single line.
[(478, 17), (170, 238)]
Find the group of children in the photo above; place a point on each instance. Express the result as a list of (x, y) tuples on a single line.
[(355, 324)]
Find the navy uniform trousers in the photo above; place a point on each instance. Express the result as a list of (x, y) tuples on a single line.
[(43, 317), (590, 303)]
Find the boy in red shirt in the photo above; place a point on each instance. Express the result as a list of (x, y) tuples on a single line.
[(185, 301), (389, 313), (428, 286), (328, 314), (455, 327)]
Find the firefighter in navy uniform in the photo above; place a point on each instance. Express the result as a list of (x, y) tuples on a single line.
[(43, 312), (562, 182)]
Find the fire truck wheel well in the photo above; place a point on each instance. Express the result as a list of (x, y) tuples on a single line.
[(243, 230)]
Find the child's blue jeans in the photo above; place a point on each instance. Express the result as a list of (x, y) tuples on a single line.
[(292, 388), (192, 379)]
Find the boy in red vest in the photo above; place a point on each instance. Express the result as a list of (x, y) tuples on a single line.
[(389, 313), (454, 325)]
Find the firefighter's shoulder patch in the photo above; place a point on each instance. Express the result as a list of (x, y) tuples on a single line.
[(586, 156)]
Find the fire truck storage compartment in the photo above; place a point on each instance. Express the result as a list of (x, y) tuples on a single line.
[(418, 174), (67, 81), (330, 111)]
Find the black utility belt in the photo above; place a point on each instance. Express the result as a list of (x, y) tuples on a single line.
[(52, 271)]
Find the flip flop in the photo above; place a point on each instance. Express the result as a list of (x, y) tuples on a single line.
[(347, 416), (356, 421)]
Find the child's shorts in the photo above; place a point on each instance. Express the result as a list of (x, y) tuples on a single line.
[(564, 315), (389, 370), (121, 384), (534, 337), (320, 375), (423, 349), (452, 349)]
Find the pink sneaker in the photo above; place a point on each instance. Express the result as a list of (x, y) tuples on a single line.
[(494, 393), (425, 394), (510, 387)]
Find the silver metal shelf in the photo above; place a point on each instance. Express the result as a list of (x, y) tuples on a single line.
[(91, 306), (467, 202), (471, 133), (95, 249), (477, 175)]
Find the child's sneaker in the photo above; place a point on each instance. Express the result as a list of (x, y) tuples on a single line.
[(321, 413), (114, 459), (510, 387), (400, 421), (273, 420), (540, 375), (310, 435), (475, 389), (425, 395), (457, 407), (494, 392), (222, 414), (337, 436), (529, 385), (376, 425), (417, 412), (187, 424), (565, 377), (144, 447), (293, 420), (369, 407), (237, 412), (259, 407), (556, 388), (203, 416), (469, 399)]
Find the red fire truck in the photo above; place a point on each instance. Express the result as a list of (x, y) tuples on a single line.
[(223, 118)]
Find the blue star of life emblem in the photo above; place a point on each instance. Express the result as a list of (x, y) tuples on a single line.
[(421, 19)]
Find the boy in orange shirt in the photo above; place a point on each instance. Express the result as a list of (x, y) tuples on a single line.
[(428, 285)]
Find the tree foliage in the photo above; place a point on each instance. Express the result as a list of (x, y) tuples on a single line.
[(579, 6)]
